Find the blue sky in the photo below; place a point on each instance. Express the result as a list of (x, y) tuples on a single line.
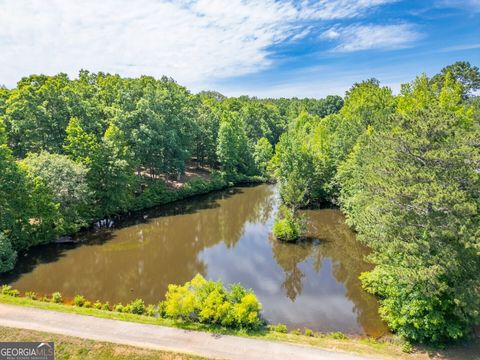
[(255, 47)]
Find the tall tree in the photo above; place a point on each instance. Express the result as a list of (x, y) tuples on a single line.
[(411, 190), (233, 149), (467, 75), (67, 182)]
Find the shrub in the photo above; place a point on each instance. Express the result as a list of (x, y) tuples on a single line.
[(309, 332), (9, 291), (179, 302), (106, 306), (31, 295), (280, 328), (407, 347), (45, 299), (87, 304), (296, 332), (161, 309), (97, 305), (247, 312), (8, 255), (137, 307), (79, 300), (210, 302), (119, 308), (286, 226), (338, 335), (150, 310), (215, 307), (57, 298)]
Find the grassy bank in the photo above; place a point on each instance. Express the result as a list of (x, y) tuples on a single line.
[(388, 348), (67, 347)]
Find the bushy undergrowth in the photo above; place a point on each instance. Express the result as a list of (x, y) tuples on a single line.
[(198, 300), (157, 193), (210, 302), (287, 226)]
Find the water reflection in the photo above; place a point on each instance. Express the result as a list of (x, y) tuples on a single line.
[(223, 236)]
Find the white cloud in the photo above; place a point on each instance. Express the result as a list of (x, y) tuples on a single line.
[(190, 40), (338, 9), (462, 47), (472, 5), (365, 37)]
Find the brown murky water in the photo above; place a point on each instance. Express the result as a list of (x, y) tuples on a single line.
[(224, 236)]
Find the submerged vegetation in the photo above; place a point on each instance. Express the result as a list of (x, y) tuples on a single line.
[(405, 170)]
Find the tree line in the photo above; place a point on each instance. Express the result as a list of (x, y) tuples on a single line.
[(76, 150), (405, 170)]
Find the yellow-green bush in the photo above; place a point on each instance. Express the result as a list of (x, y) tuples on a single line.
[(210, 302), (57, 297), (79, 300), (8, 290)]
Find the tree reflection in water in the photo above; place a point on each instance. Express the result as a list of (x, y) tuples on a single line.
[(225, 236), (328, 237)]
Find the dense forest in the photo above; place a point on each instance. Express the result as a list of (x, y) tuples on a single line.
[(405, 169)]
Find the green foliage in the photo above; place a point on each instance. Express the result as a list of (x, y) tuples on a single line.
[(280, 328), (87, 304), (210, 302), (8, 256), (37, 114), (262, 155), (32, 295), (66, 181), (57, 298), (467, 76), (404, 170), (247, 311), (9, 291), (309, 332), (294, 164), (150, 310), (338, 335), (368, 104), (79, 144), (287, 226), (233, 150), (15, 203), (411, 192), (79, 300), (97, 305), (206, 136), (111, 174), (407, 347), (125, 136), (137, 307)]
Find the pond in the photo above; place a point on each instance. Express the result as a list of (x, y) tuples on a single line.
[(223, 236)]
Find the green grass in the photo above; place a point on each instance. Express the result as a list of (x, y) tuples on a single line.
[(67, 347), (387, 348), (325, 341)]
